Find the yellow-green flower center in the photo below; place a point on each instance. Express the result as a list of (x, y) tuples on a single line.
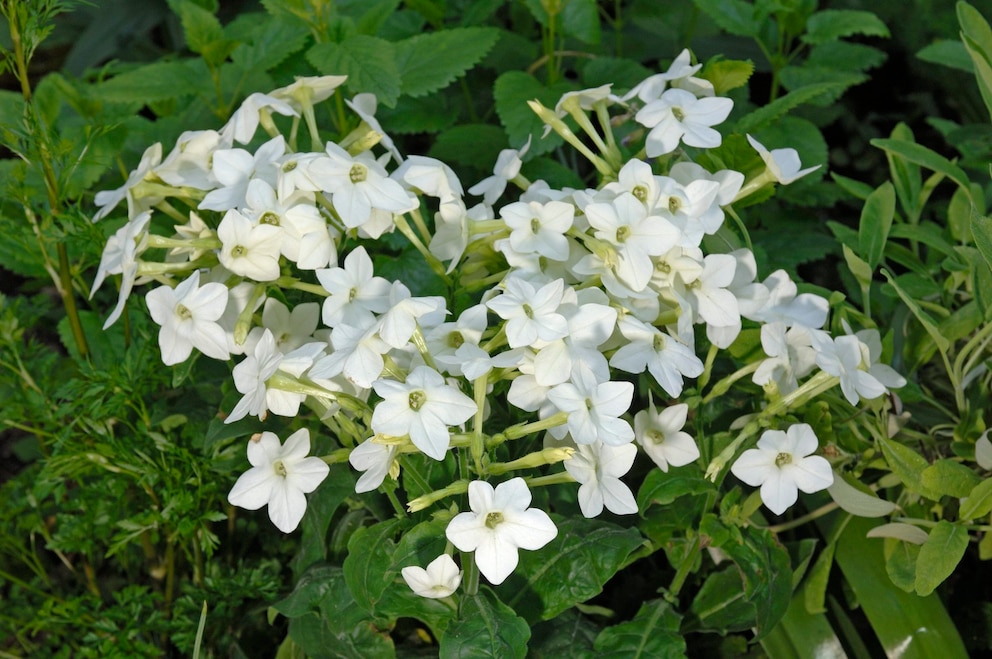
[(280, 468), (358, 173), (417, 399), (783, 459), (494, 519)]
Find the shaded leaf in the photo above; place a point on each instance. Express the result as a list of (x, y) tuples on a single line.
[(833, 24), (485, 628), (428, 62), (653, 633), (369, 63), (939, 555)]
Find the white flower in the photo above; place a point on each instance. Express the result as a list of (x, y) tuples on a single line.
[(279, 477), (107, 200), (531, 313), (422, 407), (364, 105), (507, 167), (500, 523), (539, 228), (243, 123), (594, 408), (662, 438), (679, 74), (790, 356), (120, 256), (598, 467), (440, 579), (234, 168), (376, 460), (188, 164), (307, 90), (188, 316), (251, 375), (666, 358), (783, 164), (854, 359), (678, 115), (249, 250), (782, 465), (355, 294)]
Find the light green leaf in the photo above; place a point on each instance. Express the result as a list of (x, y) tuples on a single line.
[(928, 158), (861, 270), (939, 555), (899, 531), (833, 24), (929, 324), (981, 231), (369, 63), (900, 562), (428, 62), (485, 628), (815, 590), (727, 75), (652, 634), (908, 466), (571, 569), (983, 451), (802, 635), (876, 220), (150, 83), (949, 53), (950, 478), (978, 502), (852, 500), (734, 16), (768, 114), (977, 37)]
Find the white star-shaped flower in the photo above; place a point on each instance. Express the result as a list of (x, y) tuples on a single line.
[(280, 476), (660, 435), (188, 316), (677, 116), (782, 465), (500, 523), (440, 579), (598, 468), (783, 164)]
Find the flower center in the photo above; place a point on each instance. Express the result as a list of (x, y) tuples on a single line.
[(280, 468), (269, 218), (678, 113), (417, 399), (640, 193), (659, 342), (535, 225), (656, 436), (352, 294), (662, 266), (358, 173), (674, 204), (183, 312), (455, 340), (238, 251), (494, 519), (289, 166), (528, 311), (623, 233), (783, 459)]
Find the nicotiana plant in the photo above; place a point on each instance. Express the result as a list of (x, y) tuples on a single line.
[(535, 338)]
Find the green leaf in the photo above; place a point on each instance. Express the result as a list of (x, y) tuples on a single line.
[(321, 506), (977, 38), (652, 634), (765, 569), (512, 91), (833, 24), (662, 488), (929, 324), (580, 19), (981, 232), (979, 501), (925, 157), (312, 587), (427, 114), (947, 52), (950, 478), (900, 561), (768, 114), (720, 605), (369, 63), (573, 568), (470, 145), (366, 568), (203, 31), (727, 75), (815, 590), (908, 466), (845, 56), (428, 62), (623, 73), (939, 555), (855, 501), (485, 628), (876, 220), (734, 16), (271, 45), (802, 635), (150, 83), (106, 347), (569, 635), (900, 531), (861, 270), (798, 77)]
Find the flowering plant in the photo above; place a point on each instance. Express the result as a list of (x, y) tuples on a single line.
[(528, 346)]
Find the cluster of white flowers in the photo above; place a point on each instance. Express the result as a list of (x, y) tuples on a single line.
[(575, 291)]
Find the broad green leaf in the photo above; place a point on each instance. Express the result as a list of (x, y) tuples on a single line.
[(900, 561), (947, 52), (802, 635), (978, 502), (939, 555), (906, 625), (201, 28), (727, 75), (833, 24), (768, 114), (844, 55), (569, 570), (734, 16), (512, 91), (950, 478), (925, 157), (797, 77), (720, 606), (580, 19), (321, 506), (428, 62), (981, 232), (929, 324), (622, 73), (485, 628), (427, 114), (766, 573), (271, 45), (149, 83), (652, 634), (899, 531), (370, 555), (312, 587), (861, 270), (928, 233), (470, 145), (106, 347), (876, 220), (854, 501), (369, 63), (815, 590), (908, 466), (569, 635), (662, 488), (977, 37)]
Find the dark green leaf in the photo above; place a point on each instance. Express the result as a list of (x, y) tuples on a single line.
[(768, 114), (720, 605), (833, 24), (485, 628), (272, 44), (652, 634), (663, 488), (568, 635), (512, 91), (876, 220), (981, 231), (473, 145), (734, 16), (929, 324), (370, 555), (571, 569), (428, 62), (369, 63), (149, 83), (766, 573), (580, 19), (949, 53), (622, 73), (321, 506), (939, 555)]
